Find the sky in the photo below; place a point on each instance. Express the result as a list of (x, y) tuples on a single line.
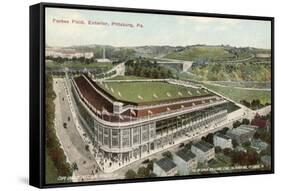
[(151, 29)]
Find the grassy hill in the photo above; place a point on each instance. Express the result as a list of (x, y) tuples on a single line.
[(201, 52), (204, 53), (233, 72)]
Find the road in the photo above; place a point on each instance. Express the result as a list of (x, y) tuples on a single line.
[(241, 60), (70, 139)]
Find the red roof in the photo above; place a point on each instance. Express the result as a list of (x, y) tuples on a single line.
[(259, 122)]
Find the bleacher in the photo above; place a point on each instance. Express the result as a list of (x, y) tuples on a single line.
[(92, 96)]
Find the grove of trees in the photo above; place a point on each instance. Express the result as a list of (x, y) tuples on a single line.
[(53, 148), (142, 172), (254, 104), (145, 68)]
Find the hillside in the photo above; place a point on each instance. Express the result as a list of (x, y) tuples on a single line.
[(154, 51), (204, 53), (233, 72)]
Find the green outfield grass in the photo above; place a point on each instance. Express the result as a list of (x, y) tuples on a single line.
[(132, 91)]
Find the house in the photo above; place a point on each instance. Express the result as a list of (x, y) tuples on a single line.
[(222, 141), (241, 134), (240, 148), (259, 145), (204, 151), (165, 167), (185, 160), (266, 160), (261, 123)]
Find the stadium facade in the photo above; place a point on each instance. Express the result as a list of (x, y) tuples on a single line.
[(124, 130)]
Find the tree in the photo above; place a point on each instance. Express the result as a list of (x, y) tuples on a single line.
[(246, 121), (218, 150), (188, 146), (235, 143), (224, 130), (150, 164), (236, 124), (209, 138), (170, 74), (263, 135), (252, 157), (247, 144), (130, 174), (53, 147), (246, 103), (255, 103), (227, 152), (74, 166), (239, 158), (167, 154), (143, 172), (267, 151)]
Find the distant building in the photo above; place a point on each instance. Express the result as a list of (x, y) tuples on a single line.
[(103, 59), (222, 141), (165, 167), (241, 134), (67, 53), (263, 55), (203, 151), (185, 160), (89, 55)]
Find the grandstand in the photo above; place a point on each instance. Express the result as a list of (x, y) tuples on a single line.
[(125, 127)]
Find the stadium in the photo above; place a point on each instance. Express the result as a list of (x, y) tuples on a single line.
[(130, 119)]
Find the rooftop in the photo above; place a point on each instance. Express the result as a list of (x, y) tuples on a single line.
[(204, 146), (259, 144), (222, 136), (259, 122), (242, 129), (185, 155), (166, 164)]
